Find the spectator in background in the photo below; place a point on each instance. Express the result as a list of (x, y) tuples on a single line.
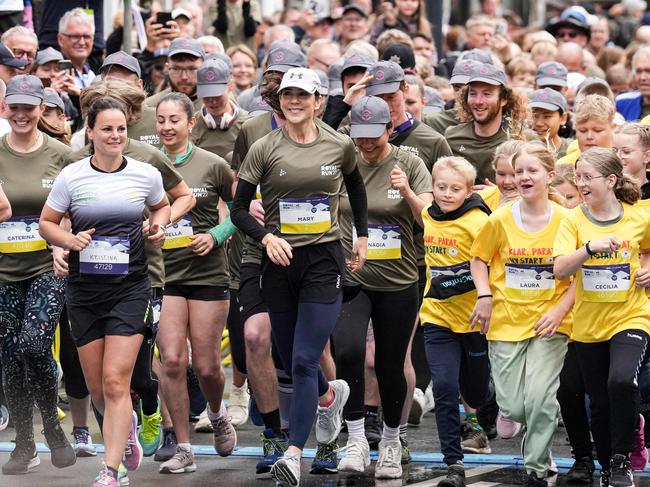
[(572, 26), (406, 15), (211, 44), (9, 64), (480, 30), (618, 78), (491, 8), (599, 36), (635, 105), (244, 67), (184, 20), (571, 55), (23, 43), (312, 26), (353, 25), (11, 15), (237, 21), (322, 53), (424, 46), (76, 34)]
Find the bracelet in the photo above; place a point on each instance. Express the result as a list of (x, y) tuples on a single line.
[(480, 296), (589, 251)]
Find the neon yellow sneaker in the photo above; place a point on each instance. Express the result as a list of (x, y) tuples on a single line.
[(150, 433)]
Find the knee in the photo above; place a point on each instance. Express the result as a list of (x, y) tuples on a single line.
[(350, 357), (257, 341), (114, 386), (37, 345), (304, 366), (618, 385), (210, 370), (175, 365)]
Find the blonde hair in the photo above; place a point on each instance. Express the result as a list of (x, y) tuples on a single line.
[(606, 162), (538, 150), (245, 50), (640, 130), (594, 107), (458, 164), (547, 50), (520, 64), (478, 20), (130, 96), (506, 150), (392, 36)]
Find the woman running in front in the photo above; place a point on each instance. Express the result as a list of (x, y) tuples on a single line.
[(108, 294), (301, 168), (196, 301), (398, 186), (605, 243), (523, 308)]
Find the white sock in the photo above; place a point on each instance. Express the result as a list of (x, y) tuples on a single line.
[(185, 446), (390, 433), (356, 428), (212, 416)]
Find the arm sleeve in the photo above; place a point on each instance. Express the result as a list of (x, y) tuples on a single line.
[(250, 26), (240, 215), (335, 111), (156, 190), (358, 201), (221, 22), (224, 230), (566, 240), (59, 198)]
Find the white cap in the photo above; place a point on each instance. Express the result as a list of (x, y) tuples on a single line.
[(303, 78)]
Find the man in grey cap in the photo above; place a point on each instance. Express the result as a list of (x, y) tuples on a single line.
[(553, 75), (121, 65), (185, 57)]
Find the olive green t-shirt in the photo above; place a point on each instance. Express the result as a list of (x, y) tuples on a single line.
[(150, 155), (210, 178), (153, 100), (392, 261), (217, 141), (301, 183), (479, 151), (425, 143), (442, 120), (26, 179), (144, 129)]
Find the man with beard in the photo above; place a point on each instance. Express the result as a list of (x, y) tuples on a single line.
[(185, 57), (485, 103)]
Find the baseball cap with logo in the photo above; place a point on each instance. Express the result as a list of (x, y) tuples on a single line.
[(222, 56), (120, 58), (476, 54), (304, 78), (213, 78), (369, 117), (324, 82), (387, 77), (47, 56), (551, 73), (334, 75), (548, 99), (357, 61), (8, 59), (488, 73), (462, 71), (52, 99), (285, 57), (186, 45), (400, 54), (258, 106), (24, 89), (433, 101)]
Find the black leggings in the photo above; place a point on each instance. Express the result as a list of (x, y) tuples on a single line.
[(236, 334), (393, 317), (571, 396), (418, 354), (610, 371)]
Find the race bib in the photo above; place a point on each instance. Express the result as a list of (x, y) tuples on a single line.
[(106, 256), (384, 241), (529, 282), (448, 281), (178, 235), (606, 283), (305, 215), (20, 234)]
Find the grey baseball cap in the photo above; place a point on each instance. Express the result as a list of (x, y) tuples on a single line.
[(593, 80), (488, 73), (386, 78), (120, 58), (258, 106), (433, 101), (324, 82), (285, 57), (53, 100), (548, 99), (369, 117), (186, 45), (8, 59), (47, 55), (551, 73), (222, 56), (213, 78), (462, 71), (480, 55), (357, 61), (24, 89), (334, 75), (355, 7)]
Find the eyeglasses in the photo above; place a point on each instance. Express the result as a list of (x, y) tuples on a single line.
[(183, 70), (18, 53), (78, 37), (586, 179), (567, 33)]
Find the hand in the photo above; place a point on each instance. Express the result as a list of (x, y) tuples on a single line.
[(399, 180), (65, 82), (81, 240), (278, 249), (60, 261), (171, 30), (307, 20), (481, 314), (201, 244), (256, 209), (358, 91), (500, 43), (156, 235), (486, 184), (548, 324), (641, 276), (145, 227), (390, 13), (605, 244), (359, 254)]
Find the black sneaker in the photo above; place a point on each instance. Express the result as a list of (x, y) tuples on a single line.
[(406, 451), (168, 447), (455, 476), (531, 480), (582, 471), (373, 429), (621, 472), (604, 478), (326, 460), (22, 460), (61, 451)]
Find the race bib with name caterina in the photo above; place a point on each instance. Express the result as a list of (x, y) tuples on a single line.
[(178, 234), (20, 234), (605, 283), (305, 215), (529, 282), (384, 241), (105, 256)]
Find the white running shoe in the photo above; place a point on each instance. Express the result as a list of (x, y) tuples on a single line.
[(328, 419), (286, 471), (203, 425), (238, 405), (417, 408), (429, 402), (389, 464), (181, 462), (357, 456)]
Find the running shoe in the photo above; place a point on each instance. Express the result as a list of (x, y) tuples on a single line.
[(455, 476), (83, 443), (373, 429), (429, 402), (273, 449), (620, 472), (507, 428), (105, 479), (238, 405), (286, 471), (475, 441), (168, 447), (150, 433), (225, 436), (254, 412), (203, 425), (417, 408), (328, 419), (406, 451), (61, 452), (639, 456), (357, 456), (4, 417), (389, 465), (197, 399), (21, 460), (326, 459), (123, 476), (181, 462), (531, 480), (133, 451), (604, 478), (582, 471)]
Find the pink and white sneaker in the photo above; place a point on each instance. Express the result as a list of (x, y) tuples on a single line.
[(105, 479), (133, 452), (507, 428), (639, 456)]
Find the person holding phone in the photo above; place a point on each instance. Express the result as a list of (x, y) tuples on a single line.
[(76, 34), (237, 22)]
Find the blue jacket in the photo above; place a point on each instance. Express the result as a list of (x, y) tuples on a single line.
[(630, 105)]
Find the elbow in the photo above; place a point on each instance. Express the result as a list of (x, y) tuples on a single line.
[(5, 214), (560, 270)]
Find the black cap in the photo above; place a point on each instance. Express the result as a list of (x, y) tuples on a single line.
[(576, 17), (401, 54), (8, 59)]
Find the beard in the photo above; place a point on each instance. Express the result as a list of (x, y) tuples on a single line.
[(269, 90), (492, 113)]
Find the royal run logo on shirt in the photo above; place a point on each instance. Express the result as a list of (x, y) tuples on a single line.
[(328, 170), (200, 192), (150, 139), (47, 183), (393, 194), (411, 149)]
